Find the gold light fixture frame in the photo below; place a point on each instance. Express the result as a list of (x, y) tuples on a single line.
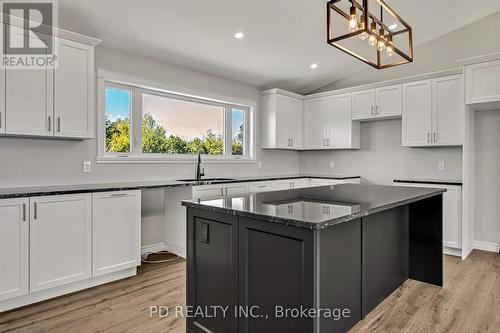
[(407, 58)]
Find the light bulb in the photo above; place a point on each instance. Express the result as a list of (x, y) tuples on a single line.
[(363, 35), (373, 40), (389, 51), (381, 43), (353, 21)]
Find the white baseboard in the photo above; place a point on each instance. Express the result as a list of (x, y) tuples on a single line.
[(152, 248), (487, 246), (164, 246), (452, 251)]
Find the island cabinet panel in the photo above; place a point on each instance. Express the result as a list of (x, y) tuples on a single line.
[(339, 270), (212, 277), (385, 255), (276, 269)]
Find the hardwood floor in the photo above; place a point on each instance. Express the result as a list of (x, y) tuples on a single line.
[(469, 302)]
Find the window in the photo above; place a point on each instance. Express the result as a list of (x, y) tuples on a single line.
[(118, 102), (144, 123)]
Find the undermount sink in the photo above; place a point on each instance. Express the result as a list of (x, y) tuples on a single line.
[(206, 180)]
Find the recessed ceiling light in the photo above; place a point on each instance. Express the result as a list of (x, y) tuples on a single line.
[(314, 66), (393, 26), (239, 35)]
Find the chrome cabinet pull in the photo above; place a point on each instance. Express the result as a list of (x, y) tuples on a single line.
[(35, 211), (376, 110), (372, 111), (50, 123), (435, 137), (291, 142), (24, 212), (428, 137), (118, 194), (59, 124)]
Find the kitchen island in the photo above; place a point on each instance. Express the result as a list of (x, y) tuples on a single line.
[(307, 260)]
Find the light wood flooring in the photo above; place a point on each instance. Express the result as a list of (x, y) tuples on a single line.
[(469, 302)]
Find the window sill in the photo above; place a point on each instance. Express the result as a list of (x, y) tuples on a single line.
[(170, 160)]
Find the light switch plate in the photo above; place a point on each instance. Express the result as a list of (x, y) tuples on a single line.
[(441, 166), (86, 166), (332, 164)]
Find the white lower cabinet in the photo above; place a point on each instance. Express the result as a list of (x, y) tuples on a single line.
[(235, 189), (116, 231), (219, 190), (256, 187), (60, 240), (14, 260), (452, 213)]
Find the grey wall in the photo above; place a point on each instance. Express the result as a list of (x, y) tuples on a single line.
[(26, 161), (487, 180), (382, 158), (475, 39)]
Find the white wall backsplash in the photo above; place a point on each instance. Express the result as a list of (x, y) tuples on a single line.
[(487, 177), (381, 158), (28, 161)]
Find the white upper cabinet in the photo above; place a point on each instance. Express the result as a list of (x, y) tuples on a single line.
[(363, 104), (382, 102), (314, 121), (417, 113), (52, 102), (281, 121), (388, 101), (60, 240), (433, 112), (14, 231), (116, 231), (342, 131), (449, 110), (74, 91), (483, 82)]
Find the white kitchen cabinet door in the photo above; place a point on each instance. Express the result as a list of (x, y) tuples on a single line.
[(388, 101), (74, 91), (300, 183), (363, 104), (235, 189), (29, 100), (417, 113), (256, 187), (314, 122), (282, 185), (288, 122), (452, 216), (483, 82), (342, 131), (60, 240), (2, 101), (116, 231), (448, 110), (14, 232)]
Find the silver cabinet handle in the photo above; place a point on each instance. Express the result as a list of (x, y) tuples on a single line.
[(428, 137), (59, 124), (262, 186), (24, 212), (118, 194), (376, 110), (35, 211), (222, 191), (0, 119), (50, 123), (328, 142), (435, 137), (291, 140), (372, 111)]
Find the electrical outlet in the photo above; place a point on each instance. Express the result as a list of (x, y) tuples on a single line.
[(441, 166), (259, 164), (86, 166), (332, 164)]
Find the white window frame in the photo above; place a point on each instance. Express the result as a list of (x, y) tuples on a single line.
[(137, 156)]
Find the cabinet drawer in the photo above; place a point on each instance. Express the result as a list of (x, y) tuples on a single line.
[(260, 187), (207, 191), (324, 182)]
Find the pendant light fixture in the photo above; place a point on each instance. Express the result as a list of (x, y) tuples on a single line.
[(350, 23)]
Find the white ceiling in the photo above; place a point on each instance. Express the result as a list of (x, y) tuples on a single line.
[(282, 37)]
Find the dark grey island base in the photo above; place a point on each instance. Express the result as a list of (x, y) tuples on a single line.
[(337, 248)]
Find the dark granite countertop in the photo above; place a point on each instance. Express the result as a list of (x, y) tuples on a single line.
[(31, 191), (315, 208), (454, 182)]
